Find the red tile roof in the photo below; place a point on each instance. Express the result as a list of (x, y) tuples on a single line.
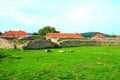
[(118, 37), (99, 36), (14, 34), (63, 35)]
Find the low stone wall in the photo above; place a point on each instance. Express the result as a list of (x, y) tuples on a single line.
[(33, 37), (37, 44), (20, 46), (6, 44), (88, 43), (32, 44)]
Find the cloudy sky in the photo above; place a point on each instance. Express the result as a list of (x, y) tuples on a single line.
[(65, 15)]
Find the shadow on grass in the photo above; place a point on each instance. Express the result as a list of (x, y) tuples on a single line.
[(10, 56)]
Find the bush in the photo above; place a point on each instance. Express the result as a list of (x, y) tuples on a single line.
[(19, 41)]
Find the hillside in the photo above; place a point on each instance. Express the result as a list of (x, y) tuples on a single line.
[(91, 34)]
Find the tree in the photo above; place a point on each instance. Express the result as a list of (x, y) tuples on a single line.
[(0, 33), (47, 29), (113, 36), (34, 33)]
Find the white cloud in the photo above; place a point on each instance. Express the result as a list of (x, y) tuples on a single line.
[(92, 13), (25, 1), (87, 14), (14, 10)]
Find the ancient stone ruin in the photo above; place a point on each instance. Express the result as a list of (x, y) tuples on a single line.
[(6, 44), (37, 44)]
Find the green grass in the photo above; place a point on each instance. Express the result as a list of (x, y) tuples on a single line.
[(85, 63)]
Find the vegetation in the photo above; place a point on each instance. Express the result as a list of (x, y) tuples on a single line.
[(34, 33), (47, 29), (113, 36), (18, 41), (91, 34), (0, 33), (75, 63)]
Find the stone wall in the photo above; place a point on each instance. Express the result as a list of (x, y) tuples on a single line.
[(33, 42), (6, 44), (33, 37), (88, 43), (20, 46), (38, 44)]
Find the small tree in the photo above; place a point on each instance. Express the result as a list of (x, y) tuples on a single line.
[(34, 33), (113, 36), (0, 33), (47, 29)]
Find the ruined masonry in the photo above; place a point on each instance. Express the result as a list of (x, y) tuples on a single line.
[(6, 44)]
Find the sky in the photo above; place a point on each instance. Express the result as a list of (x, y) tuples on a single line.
[(69, 16)]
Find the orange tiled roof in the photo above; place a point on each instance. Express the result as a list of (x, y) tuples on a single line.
[(63, 35), (14, 34), (118, 37), (99, 36)]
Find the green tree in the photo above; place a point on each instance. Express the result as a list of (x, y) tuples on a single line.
[(34, 33), (113, 35), (47, 29), (0, 33)]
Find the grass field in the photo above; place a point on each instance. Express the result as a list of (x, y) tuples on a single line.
[(84, 63)]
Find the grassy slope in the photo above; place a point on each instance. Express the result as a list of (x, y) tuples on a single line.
[(85, 63)]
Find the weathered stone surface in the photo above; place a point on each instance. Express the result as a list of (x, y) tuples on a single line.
[(70, 50), (68, 43), (61, 51), (20, 46), (5, 44), (37, 44), (42, 43), (47, 50), (33, 37)]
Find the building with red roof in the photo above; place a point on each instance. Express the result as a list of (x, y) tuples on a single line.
[(98, 36), (118, 37), (14, 34), (63, 35), (57, 36)]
